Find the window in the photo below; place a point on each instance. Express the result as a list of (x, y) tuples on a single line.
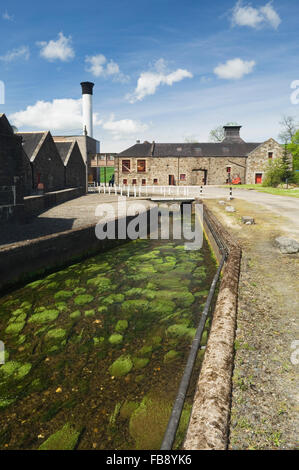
[(134, 181), (183, 177), (228, 169), (143, 182), (140, 166), (270, 155), (155, 180), (126, 166), (125, 181)]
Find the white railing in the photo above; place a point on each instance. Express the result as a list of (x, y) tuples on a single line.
[(144, 191)]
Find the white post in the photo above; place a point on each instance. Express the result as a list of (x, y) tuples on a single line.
[(135, 191), (128, 190), (121, 190), (104, 189)]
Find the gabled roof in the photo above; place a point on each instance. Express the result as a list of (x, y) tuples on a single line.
[(64, 150), (32, 140), (5, 127), (221, 149)]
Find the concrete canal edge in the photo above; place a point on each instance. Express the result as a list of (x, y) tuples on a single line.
[(209, 422)]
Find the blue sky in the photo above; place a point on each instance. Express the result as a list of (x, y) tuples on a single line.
[(164, 70)]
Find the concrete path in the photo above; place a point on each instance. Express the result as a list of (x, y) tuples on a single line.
[(72, 214), (285, 206)]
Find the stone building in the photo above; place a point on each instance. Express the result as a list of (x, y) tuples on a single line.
[(46, 164), (196, 163), (11, 172), (74, 166)]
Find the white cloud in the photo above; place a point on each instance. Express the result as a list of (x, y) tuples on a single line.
[(61, 49), (148, 82), (234, 69), (100, 67), (123, 127), (16, 54), (6, 16), (246, 15), (57, 115)]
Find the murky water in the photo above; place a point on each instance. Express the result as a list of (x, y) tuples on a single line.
[(95, 352)]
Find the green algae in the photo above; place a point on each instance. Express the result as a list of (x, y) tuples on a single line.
[(149, 421), (56, 334), (145, 351), (75, 314), (89, 313), (171, 355), (121, 326), (127, 409), (162, 307), (72, 283), (15, 369), (83, 299), (35, 284), (82, 366), (115, 339), (134, 306), (97, 341), (64, 439), (102, 309), (15, 328), (179, 330), (79, 290), (204, 338), (113, 299), (61, 306), (122, 366), (62, 295), (45, 316), (140, 362)]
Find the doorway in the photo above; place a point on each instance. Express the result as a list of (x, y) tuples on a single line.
[(200, 177), (258, 178), (171, 180)]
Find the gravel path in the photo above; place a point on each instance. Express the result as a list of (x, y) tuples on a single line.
[(264, 413)]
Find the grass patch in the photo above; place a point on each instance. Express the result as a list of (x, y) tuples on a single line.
[(269, 190)]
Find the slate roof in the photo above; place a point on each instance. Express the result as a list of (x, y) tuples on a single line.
[(5, 127), (30, 141), (221, 149), (63, 149)]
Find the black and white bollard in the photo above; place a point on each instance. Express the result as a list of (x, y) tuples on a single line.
[(230, 193), (201, 191)]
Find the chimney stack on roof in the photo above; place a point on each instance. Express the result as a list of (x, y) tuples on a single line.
[(232, 133)]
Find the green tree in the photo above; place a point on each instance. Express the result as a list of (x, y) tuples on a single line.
[(293, 147), (275, 172)]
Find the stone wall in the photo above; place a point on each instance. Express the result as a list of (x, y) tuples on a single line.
[(191, 167), (27, 175), (75, 170), (258, 159), (11, 163)]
